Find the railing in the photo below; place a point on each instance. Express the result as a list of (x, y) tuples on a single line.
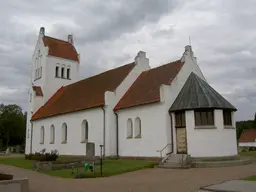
[(161, 151)]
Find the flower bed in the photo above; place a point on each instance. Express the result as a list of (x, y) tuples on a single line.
[(42, 156), (4, 177)]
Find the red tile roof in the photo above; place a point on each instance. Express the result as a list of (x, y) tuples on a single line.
[(248, 135), (38, 90), (84, 94), (60, 48), (146, 89)]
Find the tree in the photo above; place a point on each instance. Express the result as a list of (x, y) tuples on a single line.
[(12, 125), (255, 118)]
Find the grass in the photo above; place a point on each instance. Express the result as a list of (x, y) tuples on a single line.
[(251, 178), (110, 167), (248, 153)]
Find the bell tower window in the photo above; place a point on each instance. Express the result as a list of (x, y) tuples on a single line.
[(57, 71), (62, 72), (68, 73)]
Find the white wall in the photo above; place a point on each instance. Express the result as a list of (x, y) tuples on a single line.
[(112, 98), (153, 132), (247, 144), (218, 141), (74, 127), (51, 83)]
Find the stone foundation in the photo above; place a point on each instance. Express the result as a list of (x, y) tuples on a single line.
[(17, 185)]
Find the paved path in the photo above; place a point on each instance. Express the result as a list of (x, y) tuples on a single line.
[(144, 180), (234, 185)]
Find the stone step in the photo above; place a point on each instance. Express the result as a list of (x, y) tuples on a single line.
[(173, 166), (210, 164)]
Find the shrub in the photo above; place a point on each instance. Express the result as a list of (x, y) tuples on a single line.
[(42, 156)]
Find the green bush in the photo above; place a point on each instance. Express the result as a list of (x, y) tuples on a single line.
[(42, 156)]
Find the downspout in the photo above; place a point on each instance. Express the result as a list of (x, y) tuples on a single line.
[(117, 142), (171, 131), (31, 136), (104, 131)]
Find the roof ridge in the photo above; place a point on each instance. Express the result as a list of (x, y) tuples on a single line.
[(130, 88), (99, 74), (57, 39), (172, 62)]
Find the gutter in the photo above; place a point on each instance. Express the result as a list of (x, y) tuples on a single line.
[(104, 130), (117, 142)]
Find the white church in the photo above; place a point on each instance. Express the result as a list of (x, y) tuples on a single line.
[(133, 110)]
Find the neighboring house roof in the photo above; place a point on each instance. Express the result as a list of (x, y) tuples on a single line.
[(146, 89), (248, 135), (60, 48), (197, 93), (38, 90), (84, 94)]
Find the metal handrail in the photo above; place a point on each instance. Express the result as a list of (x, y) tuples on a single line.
[(161, 151)]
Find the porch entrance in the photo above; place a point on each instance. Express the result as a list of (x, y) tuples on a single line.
[(181, 134)]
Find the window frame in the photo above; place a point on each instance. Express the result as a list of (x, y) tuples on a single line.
[(137, 128), (57, 71), (42, 135), (62, 72), (210, 122), (180, 119), (129, 129), (64, 133), (85, 131), (68, 72), (227, 118), (52, 134)]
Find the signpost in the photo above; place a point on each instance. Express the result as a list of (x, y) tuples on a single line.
[(101, 159)]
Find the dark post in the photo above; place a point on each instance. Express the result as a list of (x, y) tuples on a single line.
[(101, 158)]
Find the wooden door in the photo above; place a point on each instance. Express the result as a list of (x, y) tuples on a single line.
[(181, 135)]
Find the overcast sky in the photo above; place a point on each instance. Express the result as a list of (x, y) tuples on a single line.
[(109, 33)]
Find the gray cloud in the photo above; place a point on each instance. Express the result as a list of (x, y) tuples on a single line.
[(110, 33)]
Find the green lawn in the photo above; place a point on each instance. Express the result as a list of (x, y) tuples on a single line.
[(248, 153), (251, 178), (110, 167)]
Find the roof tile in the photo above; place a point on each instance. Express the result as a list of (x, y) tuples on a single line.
[(146, 89), (84, 94), (60, 48), (248, 135)]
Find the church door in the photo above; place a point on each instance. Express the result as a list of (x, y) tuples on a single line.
[(181, 136)]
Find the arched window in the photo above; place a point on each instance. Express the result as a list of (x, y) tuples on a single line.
[(42, 135), (129, 129), (85, 131), (52, 134), (64, 133), (137, 128), (57, 69), (68, 73), (63, 71)]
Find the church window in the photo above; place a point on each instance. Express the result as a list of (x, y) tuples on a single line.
[(227, 117), (52, 134), (129, 129), (57, 71), (64, 133), (68, 73), (42, 135), (137, 128), (85, 131), (204, 117), (180, 120), (62, 72)]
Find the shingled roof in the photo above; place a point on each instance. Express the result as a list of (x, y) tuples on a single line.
[(248, 135), (146, 89), (197, 93), (60, 48), (84, 94)]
